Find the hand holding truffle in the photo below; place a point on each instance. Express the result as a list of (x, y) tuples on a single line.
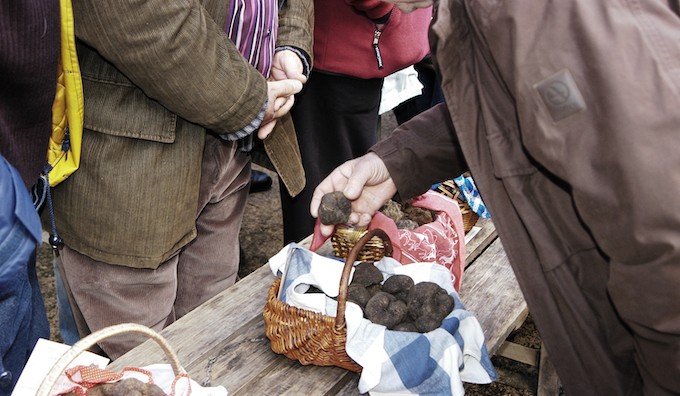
[(364, 181)]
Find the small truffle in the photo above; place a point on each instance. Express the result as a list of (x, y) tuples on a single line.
[(419, 215), (366, 274), (399, 286), (406, 224), (385, 309), (335, 208), (392, 210)]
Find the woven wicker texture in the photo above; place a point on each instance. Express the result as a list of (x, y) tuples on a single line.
[(311, 337), (344, 238), (450, 189)]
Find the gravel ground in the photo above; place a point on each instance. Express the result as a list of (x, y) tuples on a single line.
[(261, 237)]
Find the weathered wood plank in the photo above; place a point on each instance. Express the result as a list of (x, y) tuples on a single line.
[(288, 377), (480, 241), (197, 333), (518, 353), (223, 342), (490, 291)]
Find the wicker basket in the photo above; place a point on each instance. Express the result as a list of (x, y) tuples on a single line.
[(79, 347), (451, 190), (311, 337), (345, 237)]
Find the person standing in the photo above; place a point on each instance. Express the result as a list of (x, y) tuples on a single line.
[(566, 114), (356, 44), (29, 54), (150, 221)]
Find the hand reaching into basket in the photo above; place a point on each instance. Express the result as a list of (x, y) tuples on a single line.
[(365, 181)]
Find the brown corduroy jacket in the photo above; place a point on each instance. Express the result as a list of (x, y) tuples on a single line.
[(157, 75)]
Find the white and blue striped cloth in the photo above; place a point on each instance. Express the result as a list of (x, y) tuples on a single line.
[(434, 363), (467, 187)]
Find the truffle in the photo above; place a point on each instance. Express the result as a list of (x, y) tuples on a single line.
[(406, 224), (419, 215), (428, 304), (399, 286), (129, 386), (392, 210), (406, 326), (366, 274), (385, 309), (358, 294), (335, 208)]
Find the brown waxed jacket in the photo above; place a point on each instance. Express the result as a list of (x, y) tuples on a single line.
[(157, 75), (567, 115)]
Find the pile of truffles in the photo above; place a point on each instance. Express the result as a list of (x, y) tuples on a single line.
[(335, 208), (398, 303), (407, 216)]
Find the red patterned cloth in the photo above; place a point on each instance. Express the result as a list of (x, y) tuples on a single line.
[(441, 241)]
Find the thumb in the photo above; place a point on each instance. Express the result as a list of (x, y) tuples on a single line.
[(356, 183)]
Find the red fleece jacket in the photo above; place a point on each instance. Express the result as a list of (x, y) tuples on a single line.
[(344, 34)]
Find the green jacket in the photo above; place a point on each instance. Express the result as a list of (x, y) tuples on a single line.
[(156, 76)]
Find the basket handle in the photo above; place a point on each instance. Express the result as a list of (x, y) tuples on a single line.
[(85, 343), (347, 269)]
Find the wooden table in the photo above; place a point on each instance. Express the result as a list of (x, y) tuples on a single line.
[(223, 341)]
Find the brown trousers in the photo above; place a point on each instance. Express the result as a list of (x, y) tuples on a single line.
[(102, 294)]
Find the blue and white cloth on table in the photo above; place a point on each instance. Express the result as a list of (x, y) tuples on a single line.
[(467, 187), (434, 363)]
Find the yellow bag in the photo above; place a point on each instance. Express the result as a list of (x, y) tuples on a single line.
[(63, 154)]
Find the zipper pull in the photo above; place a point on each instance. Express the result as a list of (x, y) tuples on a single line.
[(376, 37)]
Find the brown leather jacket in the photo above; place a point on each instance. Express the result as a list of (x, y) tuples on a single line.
[(156, 77)]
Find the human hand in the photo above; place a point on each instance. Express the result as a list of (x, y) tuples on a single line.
[(365, 181), (287, 64), (281, 98)]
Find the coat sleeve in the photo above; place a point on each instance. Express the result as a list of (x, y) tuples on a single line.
[(296, 26), (421, 152), (177, 55)]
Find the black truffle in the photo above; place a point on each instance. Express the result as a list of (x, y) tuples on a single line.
[(366, 274), (406, 326), (428, 304), (358, 294), (385, 309), (335, 208), (399, 286)]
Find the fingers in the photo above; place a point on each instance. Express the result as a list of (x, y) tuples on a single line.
[(284, 106), (281, 96), (326, 230), (285, 87), (265, 130), (287, 65)]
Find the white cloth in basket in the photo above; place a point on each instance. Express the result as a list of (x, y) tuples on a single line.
[(437, 362)]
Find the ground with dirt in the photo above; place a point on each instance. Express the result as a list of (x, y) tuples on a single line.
[(261, 237)]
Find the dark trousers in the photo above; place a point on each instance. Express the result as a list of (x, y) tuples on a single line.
[(336, 119)]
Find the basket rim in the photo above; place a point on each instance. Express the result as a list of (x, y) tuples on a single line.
[(84, 344)]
